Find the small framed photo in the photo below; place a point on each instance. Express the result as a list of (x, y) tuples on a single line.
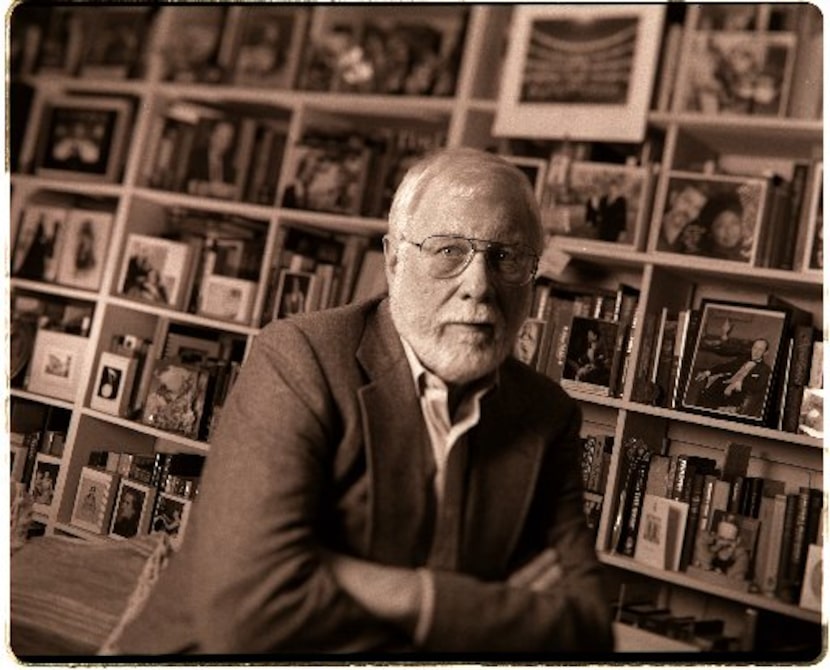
[(589, 358), (85, 248), (534, 168), (94, 500), (713, 216), (133, 509), (120, 34), (83, 137), (229, 298), (293, 293), (17, 465), (216, 163), (814, 252), (737, 72), (171, 515), (155, 270), (176, 397), (114, 384), (583, 72), (603, 202), (735, 359), (56, 364), (43, 482), (529, 342), (37, 249), (327, 179)]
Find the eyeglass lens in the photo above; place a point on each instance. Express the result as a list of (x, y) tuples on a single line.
[(448, 256)]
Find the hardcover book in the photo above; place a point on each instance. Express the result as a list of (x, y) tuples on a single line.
[(661, 532)]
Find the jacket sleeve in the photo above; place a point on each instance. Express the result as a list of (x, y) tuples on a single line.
[(260, 583), (573, 616)]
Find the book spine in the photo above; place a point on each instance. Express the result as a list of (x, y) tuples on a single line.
[(798, 376), (692, 520), (628, 539), (736, 495), (783, 587)]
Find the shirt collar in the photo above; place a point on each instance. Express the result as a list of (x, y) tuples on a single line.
[(423, 378)]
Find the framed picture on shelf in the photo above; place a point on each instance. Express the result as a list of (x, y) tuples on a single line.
[(114, 384), (735, 359), (93, 501), (726, 553), (229, 298), (171, 514), (176, 397), (529, 342), (737, 72), (534, 168), (43, 482), (83, 137), (589, 358), (814, 253), (120, 34), (603, 202), (57, 360), (293, 293), (155, 270), (85, 247), (214, 164), (582, 72), (133, 509), (40, 237), (712, 216)]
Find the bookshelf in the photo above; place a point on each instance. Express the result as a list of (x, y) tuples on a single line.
[(160, 90)]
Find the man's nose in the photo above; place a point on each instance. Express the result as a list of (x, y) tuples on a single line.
[(476, 280)]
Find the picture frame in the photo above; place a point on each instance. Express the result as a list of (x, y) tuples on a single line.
[(57, 364), (44, 480), (711, 216), (589, 357), (599, 203), (227, 298), (736, 72), (171, 514), (133, 509), (40, 237), (725, 552), (528, 347), (176, 397), (720, 381), (85, 248), (535, 169), (116, 51), (813, 261), (17, 466), (156, 270), (92, 509), (547, 91), (217, 157), (83, 137), (113, 385), (293, 293)]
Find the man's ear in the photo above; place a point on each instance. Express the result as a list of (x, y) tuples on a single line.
[(390, 254)]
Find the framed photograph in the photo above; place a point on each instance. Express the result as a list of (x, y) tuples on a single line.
[(114, 384), (529, 342), (120, 34), (810, 597), (814, 253), (171, 515), (85, 248), (582, 72), (268, 41), (535, 169), (293, 292), (589, 358), (176, 397), (133, 509), (17, 465), (733, 365), (726, 553), (94, 500), (190, 347), (604, 202), (43, 482), (56, 364), (737, 72), (155, 270), (216, 164), (37, 249), (227, 298), (713, 216), (83, 137)]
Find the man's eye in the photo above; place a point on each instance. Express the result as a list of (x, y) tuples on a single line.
[(503, 255), (451, 250)]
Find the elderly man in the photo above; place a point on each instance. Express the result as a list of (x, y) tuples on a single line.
[(386, 478)]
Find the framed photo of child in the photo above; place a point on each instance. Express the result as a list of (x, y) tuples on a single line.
[(711, 216), (133, 509), (94, 500), (43, 482)]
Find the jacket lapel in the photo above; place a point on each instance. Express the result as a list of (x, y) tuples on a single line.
[(397, 448)]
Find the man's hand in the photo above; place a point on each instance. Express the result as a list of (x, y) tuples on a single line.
[(540, 574)]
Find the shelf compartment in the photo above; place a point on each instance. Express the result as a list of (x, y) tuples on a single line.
[(186, 444)]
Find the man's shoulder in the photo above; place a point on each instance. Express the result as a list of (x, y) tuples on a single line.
[(534, 385)]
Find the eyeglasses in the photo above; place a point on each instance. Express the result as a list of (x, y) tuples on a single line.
[(449, 255)]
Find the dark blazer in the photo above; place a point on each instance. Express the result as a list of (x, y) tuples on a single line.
[(322, 445)]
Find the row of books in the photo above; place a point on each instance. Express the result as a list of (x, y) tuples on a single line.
[(685, 513)]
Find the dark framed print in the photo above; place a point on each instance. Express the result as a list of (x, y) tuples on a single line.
[(57, 362), (84, 249), (171, 514), (293, 293), (582, 72), (133, 509), (535, 169), (737, 72), (713, 216), (43, 482), (589, 358), (40, 237), (734, 363), (94, 499), (814, 252), (113, 383), (600, 202), (83, 137)]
